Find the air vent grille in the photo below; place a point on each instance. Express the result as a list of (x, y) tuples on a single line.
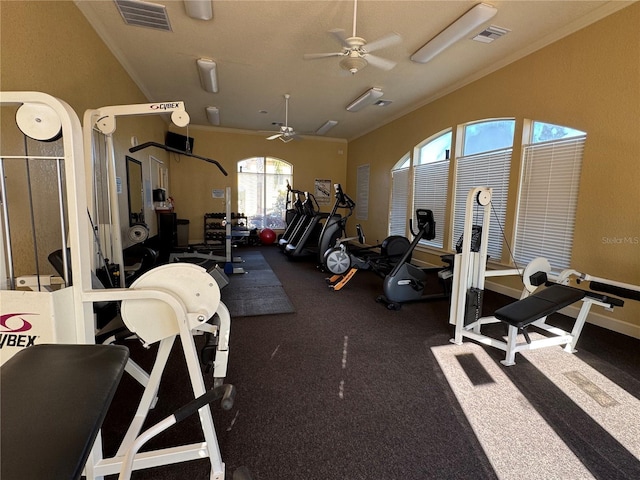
[(144, 14), (490, 34)]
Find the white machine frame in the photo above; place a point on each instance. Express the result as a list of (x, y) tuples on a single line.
[(67, 314), (470, 273), (103, 119)]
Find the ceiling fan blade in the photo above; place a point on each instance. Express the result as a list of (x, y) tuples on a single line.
[(311, 56), (273, 137), (383, 42), (379, 62), (341, 36)]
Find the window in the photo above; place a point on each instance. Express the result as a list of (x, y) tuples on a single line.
[(262, 191), (399, 197), (430, 183), (362, 202), (485, 162), (548, 197)]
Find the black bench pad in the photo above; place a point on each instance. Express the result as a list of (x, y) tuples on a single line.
[(540, 304), (54, 399)]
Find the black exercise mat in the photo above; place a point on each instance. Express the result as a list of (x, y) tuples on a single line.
[(256, 292)]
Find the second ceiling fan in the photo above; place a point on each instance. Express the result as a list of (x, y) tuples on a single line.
[(286, 133), (356, 51)]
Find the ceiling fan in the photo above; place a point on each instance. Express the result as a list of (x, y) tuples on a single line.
[(286, 133), (356, 51)]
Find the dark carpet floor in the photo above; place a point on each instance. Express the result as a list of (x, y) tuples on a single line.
[(346, 389), (257, 291)]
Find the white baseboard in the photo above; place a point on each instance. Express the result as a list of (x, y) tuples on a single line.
[(594, 318)]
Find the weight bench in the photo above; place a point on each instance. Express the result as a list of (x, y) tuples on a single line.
[(525, 312), (533, 311), (54, 399)]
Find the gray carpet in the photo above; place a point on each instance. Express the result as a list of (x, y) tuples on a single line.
[(256, 292)]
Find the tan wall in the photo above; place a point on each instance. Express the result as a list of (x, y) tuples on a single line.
[(192, 180), (589, 81)]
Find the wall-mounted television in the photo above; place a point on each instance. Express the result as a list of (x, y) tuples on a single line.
[(179, 142)]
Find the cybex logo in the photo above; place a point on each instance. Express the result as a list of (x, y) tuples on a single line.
[(164, 106), (10, 325), (7, 321)]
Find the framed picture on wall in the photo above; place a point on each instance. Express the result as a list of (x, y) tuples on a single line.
[(323, 191)]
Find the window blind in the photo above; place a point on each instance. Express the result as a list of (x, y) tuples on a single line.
[(548, 201), (490, 169), (399, 202), (430, 192), (362, 202)]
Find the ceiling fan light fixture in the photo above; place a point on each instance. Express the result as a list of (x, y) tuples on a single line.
[(213, 115), (367, 98), (473, 18), (353, 63), (199, 9), (208, 75), (328, 125)]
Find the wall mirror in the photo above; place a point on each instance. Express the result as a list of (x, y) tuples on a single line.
[(135, 191)]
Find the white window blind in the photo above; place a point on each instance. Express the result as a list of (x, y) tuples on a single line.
[(430, 192), (399, 202), (548, 200), (489, 169), (362, 202)]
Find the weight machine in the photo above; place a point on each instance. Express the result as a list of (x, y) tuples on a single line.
[(169, 302), (543, 294)]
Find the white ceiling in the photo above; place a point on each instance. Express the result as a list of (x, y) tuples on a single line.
[(259, 45)]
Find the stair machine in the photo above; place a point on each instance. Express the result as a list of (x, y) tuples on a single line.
[(294, 215), (305, 238), (164, 304)]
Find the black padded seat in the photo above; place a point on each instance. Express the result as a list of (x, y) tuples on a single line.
[(524, 312), (54, 399)]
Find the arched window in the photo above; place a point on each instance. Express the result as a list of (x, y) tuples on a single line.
[(485, 162), (262, 191), (400, 196), (421, 182)]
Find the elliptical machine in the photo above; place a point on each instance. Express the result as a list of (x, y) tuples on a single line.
[(406, 282), (336, 225), (344, 260)]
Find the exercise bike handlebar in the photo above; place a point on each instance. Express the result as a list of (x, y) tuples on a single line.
[(342, 199), (426, 224)]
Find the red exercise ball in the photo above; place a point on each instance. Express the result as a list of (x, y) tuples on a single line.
[(267, 236)]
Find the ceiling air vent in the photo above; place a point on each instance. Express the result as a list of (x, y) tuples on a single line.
[(491, 33), (144, 14)]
